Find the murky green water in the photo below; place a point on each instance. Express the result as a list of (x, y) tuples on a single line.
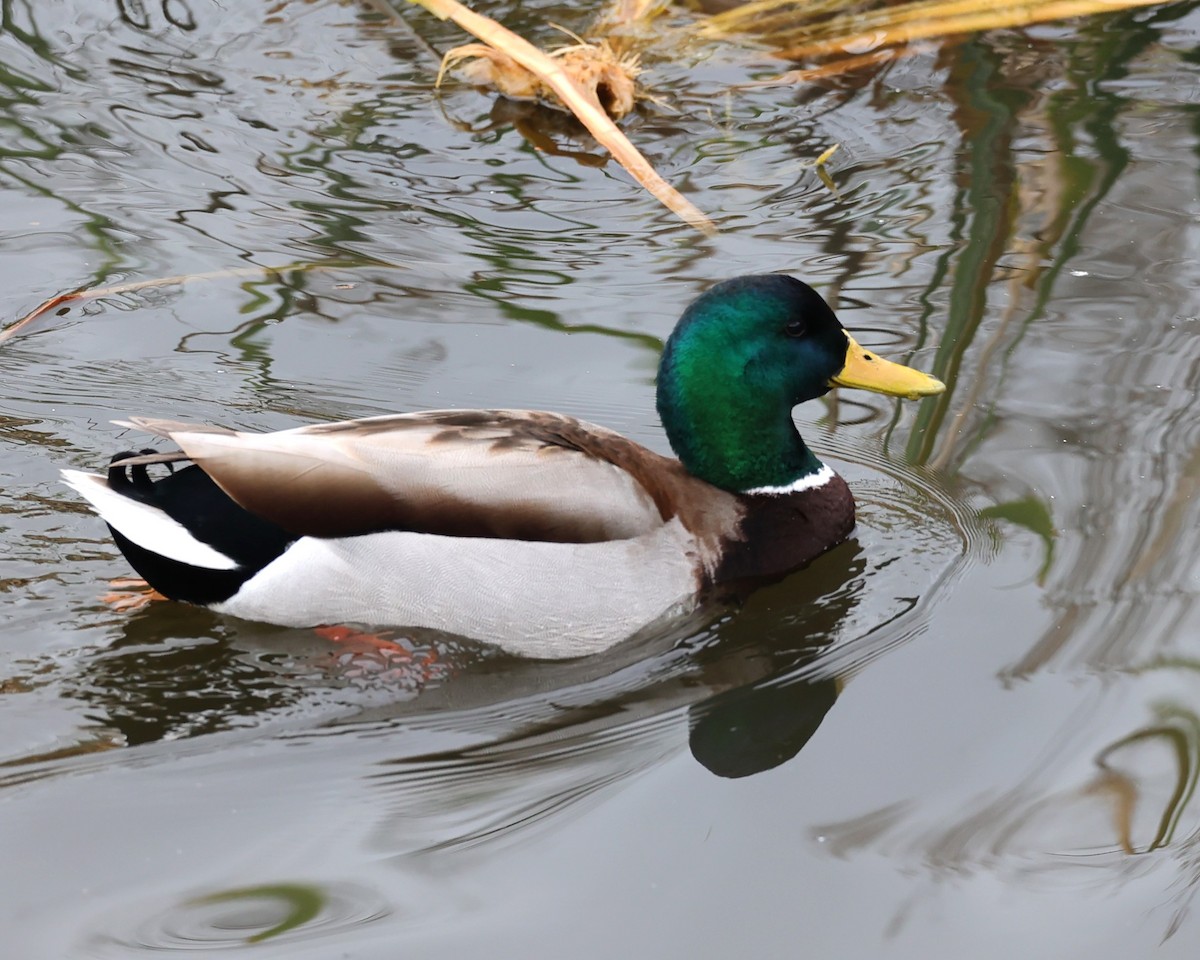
[(972, 731)]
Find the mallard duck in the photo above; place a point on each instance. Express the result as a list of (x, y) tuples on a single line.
[(543, 534)]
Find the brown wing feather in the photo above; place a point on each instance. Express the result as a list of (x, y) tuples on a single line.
[(476, 473)]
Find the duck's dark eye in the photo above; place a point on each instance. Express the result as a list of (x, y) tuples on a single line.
[(794, 328)]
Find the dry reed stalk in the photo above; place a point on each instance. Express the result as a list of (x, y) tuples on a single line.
[(925, 20), (839, 32), (769, 17)]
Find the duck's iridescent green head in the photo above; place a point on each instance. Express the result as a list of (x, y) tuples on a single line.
[(742, 355)]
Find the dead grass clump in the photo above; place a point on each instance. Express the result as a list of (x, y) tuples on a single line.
[(610, 78)]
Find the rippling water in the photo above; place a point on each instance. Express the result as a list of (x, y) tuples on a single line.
[(971, 730)]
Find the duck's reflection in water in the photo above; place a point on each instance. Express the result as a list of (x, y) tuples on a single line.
[(528, 741)]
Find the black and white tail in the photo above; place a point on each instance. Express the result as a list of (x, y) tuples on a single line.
[(181, 533)]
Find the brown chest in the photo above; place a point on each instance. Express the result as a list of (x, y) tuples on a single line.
[(780, 533)]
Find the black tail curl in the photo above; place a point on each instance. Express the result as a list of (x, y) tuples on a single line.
[(133, 480)]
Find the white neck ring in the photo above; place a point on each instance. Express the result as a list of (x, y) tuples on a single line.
[(809, 481)]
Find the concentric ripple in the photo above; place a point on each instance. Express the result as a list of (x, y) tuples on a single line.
[(277, 913)]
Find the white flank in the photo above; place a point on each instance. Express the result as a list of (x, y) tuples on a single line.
[(145, 525), (532, 598), (809, 482)]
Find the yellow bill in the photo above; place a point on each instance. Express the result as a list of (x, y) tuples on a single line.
[(867, 371)]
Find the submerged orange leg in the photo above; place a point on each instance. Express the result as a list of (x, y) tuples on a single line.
[(130, 593), (358, 642), (369, 655)]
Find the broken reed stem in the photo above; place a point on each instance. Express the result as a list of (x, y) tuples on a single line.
[(23, 325), (56, 301), (625, 12), (585, 106)]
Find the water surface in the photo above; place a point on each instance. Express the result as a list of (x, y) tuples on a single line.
[(971, 730)]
